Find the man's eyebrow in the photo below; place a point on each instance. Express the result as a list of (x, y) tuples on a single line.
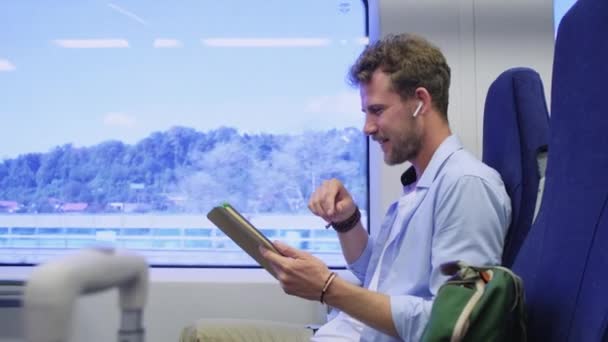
[(373, 107)]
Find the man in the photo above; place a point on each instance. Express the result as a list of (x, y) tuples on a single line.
[(453, 206)]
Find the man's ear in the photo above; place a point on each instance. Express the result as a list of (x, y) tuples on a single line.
[(422, 93), (424, 97)]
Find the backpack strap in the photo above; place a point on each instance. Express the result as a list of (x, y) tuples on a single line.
[(463, 322)]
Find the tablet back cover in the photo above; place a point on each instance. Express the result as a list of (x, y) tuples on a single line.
[(243, 233)]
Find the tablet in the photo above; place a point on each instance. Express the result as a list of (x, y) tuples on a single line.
[(242, 232)]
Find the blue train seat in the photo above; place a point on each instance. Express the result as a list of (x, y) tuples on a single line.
[(564, 259), (515, 138)]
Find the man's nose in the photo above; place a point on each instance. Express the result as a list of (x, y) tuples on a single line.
[(370, 127)]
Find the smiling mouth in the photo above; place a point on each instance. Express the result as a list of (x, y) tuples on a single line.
[(382, 143), (379, 139)]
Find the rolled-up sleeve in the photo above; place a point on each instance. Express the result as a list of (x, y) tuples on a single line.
[(359, 266), (410, 315)]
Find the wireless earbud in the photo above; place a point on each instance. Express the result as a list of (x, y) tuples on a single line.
[(417, 109)]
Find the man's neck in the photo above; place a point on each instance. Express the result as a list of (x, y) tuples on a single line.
[(431, 142)]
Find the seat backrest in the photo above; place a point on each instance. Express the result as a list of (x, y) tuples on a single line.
[(515, 133), (564, 259)]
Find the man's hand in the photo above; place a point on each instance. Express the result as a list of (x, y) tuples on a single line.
[(332, 201), (299, 273)]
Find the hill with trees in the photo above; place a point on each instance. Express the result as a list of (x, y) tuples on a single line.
[(188, 171)]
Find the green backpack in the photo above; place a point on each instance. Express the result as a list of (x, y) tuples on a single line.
[(477, 304)]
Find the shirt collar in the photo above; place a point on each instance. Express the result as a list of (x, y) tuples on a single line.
[(450, 145)]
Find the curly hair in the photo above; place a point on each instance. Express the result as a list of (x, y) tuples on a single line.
[(411, 62)]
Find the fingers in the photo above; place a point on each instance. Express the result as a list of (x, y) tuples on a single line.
[(322, 201), (274, 258), (298, 272), (331, 201), (288, 253), (287, 250)]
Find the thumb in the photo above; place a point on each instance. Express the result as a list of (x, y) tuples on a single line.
[(287, 250)]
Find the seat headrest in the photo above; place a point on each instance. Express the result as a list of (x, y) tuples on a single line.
[(516, 129)]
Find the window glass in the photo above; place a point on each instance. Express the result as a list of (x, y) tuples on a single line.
[(560, 7), (124, 123)]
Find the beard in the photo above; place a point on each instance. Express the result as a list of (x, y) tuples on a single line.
[(404, 146)]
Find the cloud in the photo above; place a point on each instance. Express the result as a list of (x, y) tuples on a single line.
[(118, 120), (339, 110), (341, 103), (266, 42), (6, 65), (167, 43), (91, 43), (362, 41), (127, 13)]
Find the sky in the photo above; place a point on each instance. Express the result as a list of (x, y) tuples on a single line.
[(83, 72), (560, 7)]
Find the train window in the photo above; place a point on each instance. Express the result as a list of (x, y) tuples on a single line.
[(124, 123), (560, 7)]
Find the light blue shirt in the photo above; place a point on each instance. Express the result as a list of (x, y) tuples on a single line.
[(461, 211)]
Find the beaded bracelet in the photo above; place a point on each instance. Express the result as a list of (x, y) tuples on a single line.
[(326, 286), (348, 224)]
